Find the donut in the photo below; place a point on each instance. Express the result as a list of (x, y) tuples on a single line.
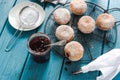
[(105, 21), (74, 51), (61, 16), (64, 32), (78, 7), (86, 24)]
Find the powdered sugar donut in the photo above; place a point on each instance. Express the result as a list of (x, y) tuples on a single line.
[(105, 21), (86, 24), (64, 32), (61, 16), (74, 51), (78, 7)]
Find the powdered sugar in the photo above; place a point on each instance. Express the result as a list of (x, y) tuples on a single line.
[(62, 14), (29, 16)]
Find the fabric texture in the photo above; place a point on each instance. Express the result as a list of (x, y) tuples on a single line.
[(108, 64), (55, 1)]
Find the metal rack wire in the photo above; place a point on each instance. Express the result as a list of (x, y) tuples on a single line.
[(93, 43)]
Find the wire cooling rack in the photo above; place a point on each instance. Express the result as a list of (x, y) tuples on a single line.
[(93, 43)]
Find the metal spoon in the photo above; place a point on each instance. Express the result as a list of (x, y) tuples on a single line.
[(12, 41), (78, 72), (59, 43)]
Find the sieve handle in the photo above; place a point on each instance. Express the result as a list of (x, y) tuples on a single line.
[(12, 41)]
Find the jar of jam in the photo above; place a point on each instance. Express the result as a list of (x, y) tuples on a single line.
[(38, 46)]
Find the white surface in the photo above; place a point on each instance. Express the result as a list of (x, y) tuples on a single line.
[(14, 15)]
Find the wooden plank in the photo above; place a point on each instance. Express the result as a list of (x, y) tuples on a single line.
[(5, 6), (93, 47), (43, 71), (116, 14), (12, 63)]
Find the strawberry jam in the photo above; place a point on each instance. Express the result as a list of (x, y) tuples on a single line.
[(38, 44)]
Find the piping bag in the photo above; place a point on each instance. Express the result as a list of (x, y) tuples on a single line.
[(108, 64)]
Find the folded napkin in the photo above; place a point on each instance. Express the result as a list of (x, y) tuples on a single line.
[(108, 64), (55, 1)]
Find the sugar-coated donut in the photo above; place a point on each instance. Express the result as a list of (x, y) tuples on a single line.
[(74, 51), (78, 7), (64, 32), (105, 21), (61, 16), (86, 24)]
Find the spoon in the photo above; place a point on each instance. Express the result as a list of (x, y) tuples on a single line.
[(59, 43), (77, 72), (12, 41)]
